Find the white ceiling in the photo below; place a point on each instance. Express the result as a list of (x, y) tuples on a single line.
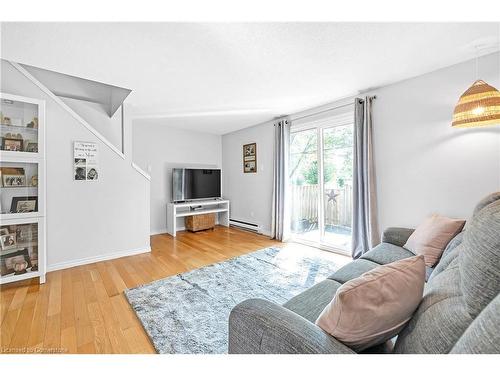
[(221, 77)]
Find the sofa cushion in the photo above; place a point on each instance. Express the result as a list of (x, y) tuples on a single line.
[(483, 335), (440, 319), (432, 236), (352, 270), (457, 240), (486, 201), (311, 302), (479, 259), (386, 253), (374, 307), (445, 261)]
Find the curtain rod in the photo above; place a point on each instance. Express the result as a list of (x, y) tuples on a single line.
[(328, 110)]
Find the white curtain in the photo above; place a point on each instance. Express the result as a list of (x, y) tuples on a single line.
[(280, 224), (365, 232)]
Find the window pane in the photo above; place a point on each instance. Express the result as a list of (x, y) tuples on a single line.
[(18, 126), (19, 249), (304, 184), (337, 177), (18, 187)]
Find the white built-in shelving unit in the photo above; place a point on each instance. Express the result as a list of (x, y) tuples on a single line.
[(176, 211), (22, 189)]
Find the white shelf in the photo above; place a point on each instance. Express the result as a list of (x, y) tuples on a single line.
[(16, 128), (200, 212), (20, 215), (201, 203), (12, 278), (178, 210)]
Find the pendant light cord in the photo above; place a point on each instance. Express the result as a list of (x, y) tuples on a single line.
[(476, 68)]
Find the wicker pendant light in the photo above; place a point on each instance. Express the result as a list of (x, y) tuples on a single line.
[(478, 106)]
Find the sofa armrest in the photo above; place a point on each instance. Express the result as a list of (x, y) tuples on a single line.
[(260, 326), (397, 236)]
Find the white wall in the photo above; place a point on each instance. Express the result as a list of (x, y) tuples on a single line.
[(85, 221), (250, 193), (94, 113), (423, 165), (157, 148)]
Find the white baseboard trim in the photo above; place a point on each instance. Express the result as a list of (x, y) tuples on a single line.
[(265, 232), (95, 259), (159, 231)]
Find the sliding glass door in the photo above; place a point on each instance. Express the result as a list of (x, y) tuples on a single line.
[(321, 183), (304, 185)]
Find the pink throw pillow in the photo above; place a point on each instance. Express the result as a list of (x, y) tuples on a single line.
[(374, 307), (431, 237)]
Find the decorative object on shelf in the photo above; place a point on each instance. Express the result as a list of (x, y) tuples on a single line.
[(33, 123), (85, 161), (20, 267), (32, 147), (17, 262), (12, 144), (4, 231), (12, 176), (478, 106), (13, 181), (250, 158), (34, 181), (24, 204), (8, 241), (23, 232), (14, 135), (6, 120), (33, 254), (196, 223)]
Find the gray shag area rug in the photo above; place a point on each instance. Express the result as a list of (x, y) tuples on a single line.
[(188, 313)]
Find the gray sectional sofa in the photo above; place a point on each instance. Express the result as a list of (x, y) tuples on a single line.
[(459, 313)]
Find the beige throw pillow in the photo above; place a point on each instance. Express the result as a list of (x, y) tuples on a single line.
[(374, 307), (431, 237)]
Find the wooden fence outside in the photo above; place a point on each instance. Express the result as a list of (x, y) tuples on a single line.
[(338, 211)]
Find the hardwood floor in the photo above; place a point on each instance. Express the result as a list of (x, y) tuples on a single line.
[(83, 309)]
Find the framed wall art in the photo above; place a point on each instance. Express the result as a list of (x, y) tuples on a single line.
[(250, 158), (85, 161)]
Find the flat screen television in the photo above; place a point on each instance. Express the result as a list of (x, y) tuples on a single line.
[(192, 184)]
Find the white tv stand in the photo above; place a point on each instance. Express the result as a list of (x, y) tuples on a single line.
[(181, 210)]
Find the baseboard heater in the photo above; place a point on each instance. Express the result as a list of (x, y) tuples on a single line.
[(251, 227)]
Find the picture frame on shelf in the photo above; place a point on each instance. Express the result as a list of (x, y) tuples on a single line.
[(8, 241), (24, 204), (4, 231), (12, 144), (13, 180), (12, 176), (31, 147), (17, 262)]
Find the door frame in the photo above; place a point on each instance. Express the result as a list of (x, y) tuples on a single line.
[(324, 123)]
